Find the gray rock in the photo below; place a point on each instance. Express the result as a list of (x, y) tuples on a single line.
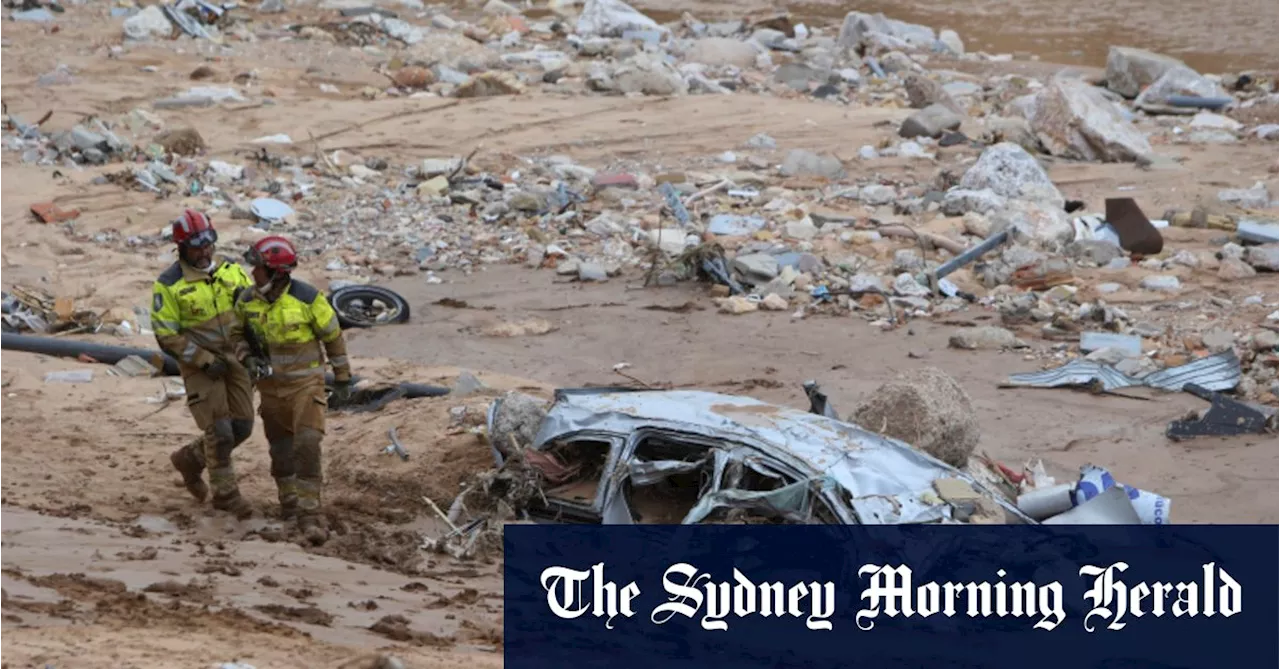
[(960, 201), (931, 121), (905, 285), (1266, 258), (907, 260), (1265, 340), (798, 76), (1269, 131), (650, 76), (604, 226), (1212, 137), (720, 51), (923, 92), (517, 416), (865, 283), (802, 229), (1211, 121), (148, 24), (1164, 283), (1136, 367), (1040, 223), (1007, 170), (1179, 80), (877, 194), (500, 8), (1130, 70), (611, 18), (1218, 339), (859, 25), (271, 7), (984, 338), (896, 62), (951, 42), (1234, 269), (807, 163), (1255, 197), (757, 266), (1023, 106), (523, 200), (761, 141), (1075, 120), (1096, 251), (589, 271), (962, 89), (927, 409), (1012, 129)]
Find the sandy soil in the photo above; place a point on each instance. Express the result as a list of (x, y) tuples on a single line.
[(106, 559)]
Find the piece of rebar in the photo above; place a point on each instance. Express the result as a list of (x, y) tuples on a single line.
[(967, 257)]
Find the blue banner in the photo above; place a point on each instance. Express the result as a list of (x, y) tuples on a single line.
[(893, 596)]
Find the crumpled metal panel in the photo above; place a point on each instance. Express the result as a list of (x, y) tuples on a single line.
[(867, 466), (1220, 371)]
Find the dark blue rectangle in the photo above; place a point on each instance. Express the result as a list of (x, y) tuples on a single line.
[(1242, 565)]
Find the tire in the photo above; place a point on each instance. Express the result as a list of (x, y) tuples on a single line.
[(358, 307)]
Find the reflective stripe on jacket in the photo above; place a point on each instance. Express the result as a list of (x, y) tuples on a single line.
[(193, 312), (299, 330)]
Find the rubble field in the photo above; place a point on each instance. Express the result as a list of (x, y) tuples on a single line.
[(704, 196)]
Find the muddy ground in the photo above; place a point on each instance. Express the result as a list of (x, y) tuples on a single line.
[(106, 560)]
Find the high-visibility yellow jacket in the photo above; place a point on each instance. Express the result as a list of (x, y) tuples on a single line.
[(299, 330), (193, 312)]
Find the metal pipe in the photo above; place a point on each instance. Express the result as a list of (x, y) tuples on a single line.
[(71, 348), (969, 256), (1198, 102)]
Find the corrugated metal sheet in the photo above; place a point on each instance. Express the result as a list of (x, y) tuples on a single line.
[(1220, 371)]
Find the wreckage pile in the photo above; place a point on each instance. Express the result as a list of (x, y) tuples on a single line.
[(773, 227)]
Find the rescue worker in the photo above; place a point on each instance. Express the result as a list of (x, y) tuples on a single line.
[(289, 329), (193, 316)]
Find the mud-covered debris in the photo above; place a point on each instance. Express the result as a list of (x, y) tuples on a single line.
[(396, 627)]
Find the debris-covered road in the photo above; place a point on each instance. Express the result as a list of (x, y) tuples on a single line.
[(694, 196)]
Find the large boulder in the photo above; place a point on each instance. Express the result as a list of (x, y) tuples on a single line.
[(1074, 120), (518, 417), (1041, 223), (927, 409), (1180, 80), (1006, 169), (923, 92), (1130, 70)]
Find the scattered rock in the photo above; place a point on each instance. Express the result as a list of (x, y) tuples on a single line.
[(1264, 258), (1178, 80), (737, 305), (1007, 170), (807, 163), (1164, 283), (612, 18), (147, 24), (951, 42), (518, 416), (985, 338), (488, 84), (1255, 197), (774, 302), (932, 121), (877, 195), (1129, 70), (756, 266), (1095, 251), (722, 51), (1075, 120), (1234, 269), (961, 201), (923, 92)]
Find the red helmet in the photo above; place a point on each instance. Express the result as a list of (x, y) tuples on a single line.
[(274, 253), (194, 229)]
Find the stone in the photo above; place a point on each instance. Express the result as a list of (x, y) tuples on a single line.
[(896, 62), (961, 201), (761, 141), (488, 84), (1075, 120), (737, 305), (865, 283), (649, 76), (1269, 131), (517, 416), (1265, 340), (433, 187), (362, 172), (986, 337), (951, 42), (907, 260), (612, 18), (1179, 80), (589, 271), (923, 92), (927, 409), (905, 285), (149, 23), (1211, 121), (1011, 129), (877, 195), (774, 302), (434, 167), (1007, 170), (807, 163), (500, 8), (1233, 269), (976, 224), (1096, 251), (722, 51), (859, 25), (757, 266), (798, 76), (1136, 367), (802, 229), (604, 226), (1129, 70), (931, 121), (1164, 283), (1218, 339), (1255, 197), (527, 201), (1265, 258), (1042, 224)]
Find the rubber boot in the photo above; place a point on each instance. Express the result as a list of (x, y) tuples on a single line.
[(226, 495), (312, 527), (287, 491), (189, 465), (310, 523)]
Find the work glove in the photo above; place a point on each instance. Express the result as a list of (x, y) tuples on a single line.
[(341, 394), (216, 369), (257, 367)]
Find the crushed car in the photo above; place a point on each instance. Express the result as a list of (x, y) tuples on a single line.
[(626, 456)]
